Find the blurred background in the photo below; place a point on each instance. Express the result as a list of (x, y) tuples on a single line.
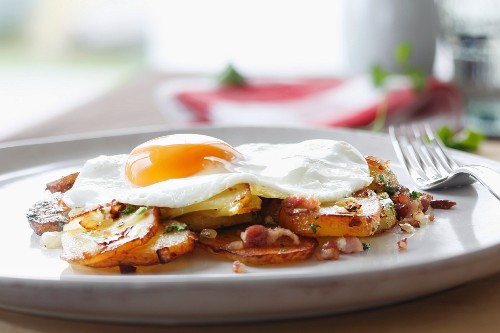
[(105, 60)]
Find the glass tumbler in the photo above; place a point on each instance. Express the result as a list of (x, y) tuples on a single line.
[(471, 29)]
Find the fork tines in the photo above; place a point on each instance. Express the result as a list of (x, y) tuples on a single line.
[(421, 153)]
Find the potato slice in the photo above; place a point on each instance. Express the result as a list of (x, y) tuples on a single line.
[(198, 221), (110, 238), (235, 200), (388, 216), (353, 216), (384, 179), (169, 243), (62, 184), (228, 244)]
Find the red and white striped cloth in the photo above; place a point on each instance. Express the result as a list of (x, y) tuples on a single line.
[(300, 102)]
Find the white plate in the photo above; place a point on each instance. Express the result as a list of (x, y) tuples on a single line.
[(461, 245)]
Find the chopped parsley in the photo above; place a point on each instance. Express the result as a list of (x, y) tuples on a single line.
[(381, 179), (175, 226), (129, 210), (390, 190), (415, 195), (314, 227), (366, 246)]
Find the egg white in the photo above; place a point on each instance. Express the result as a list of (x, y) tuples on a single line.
[(326, 169)]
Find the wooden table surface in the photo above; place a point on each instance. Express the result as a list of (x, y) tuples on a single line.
[(471, 307)]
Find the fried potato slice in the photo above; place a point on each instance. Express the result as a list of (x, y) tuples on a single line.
[(171, 241), (384, 179), (198, 221), (47, 215), (237, 199), (108, 238), (62, 184), (352, 216), (228, 244), (388, 215)]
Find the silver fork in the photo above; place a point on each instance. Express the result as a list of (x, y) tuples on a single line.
[(430, 165)]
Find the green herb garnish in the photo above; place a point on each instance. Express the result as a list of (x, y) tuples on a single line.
[(389, 190), (175, 226), (314, 227), (129, 210), (415, 195), (231, 77), (467, 140), (366, 246)]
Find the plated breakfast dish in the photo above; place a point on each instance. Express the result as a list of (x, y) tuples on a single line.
[(253, 204)]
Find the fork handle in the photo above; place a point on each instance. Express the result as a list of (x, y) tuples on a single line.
[(486, 176)]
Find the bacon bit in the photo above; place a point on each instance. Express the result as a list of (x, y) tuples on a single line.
[(349, 244), (355, 221), (127, 269), (403, 244), (258, 235), (353, 207), (295, 202), (239, 267), (328, 251), (425, 200), (442, 204), (431, 218), (115, 209)]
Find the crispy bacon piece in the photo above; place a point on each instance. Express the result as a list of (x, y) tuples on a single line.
[(239, 267), (406, 206), (442, 204), (349, 244), (257, 235), (283, 250), (403, 244), (296, 202), (328, 251)]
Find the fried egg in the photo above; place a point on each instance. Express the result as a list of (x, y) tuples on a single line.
[(182, 169)]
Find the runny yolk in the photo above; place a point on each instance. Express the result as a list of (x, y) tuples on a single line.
[(175, 156)]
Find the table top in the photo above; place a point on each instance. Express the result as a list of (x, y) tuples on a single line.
[(464, 308)]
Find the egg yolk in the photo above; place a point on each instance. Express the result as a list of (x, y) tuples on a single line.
[(175, 156)]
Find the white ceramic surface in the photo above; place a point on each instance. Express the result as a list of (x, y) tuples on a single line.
[(462, 244)]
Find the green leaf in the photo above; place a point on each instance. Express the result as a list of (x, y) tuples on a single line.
[(467, 140), (231, 77), (402, 53), (379, 75), (418, 79)]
